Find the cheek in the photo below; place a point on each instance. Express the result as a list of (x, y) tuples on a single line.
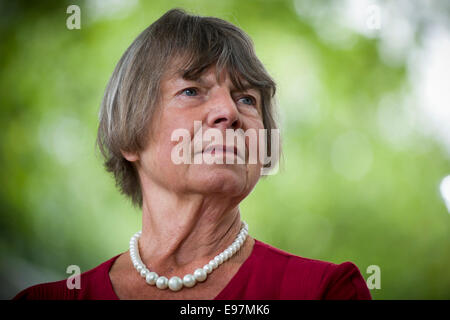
[(257, 127), (165, 145), (254, 123)]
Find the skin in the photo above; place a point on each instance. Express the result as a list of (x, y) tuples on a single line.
[(190, 212)]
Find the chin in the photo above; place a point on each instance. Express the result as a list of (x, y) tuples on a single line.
[(221, 178)]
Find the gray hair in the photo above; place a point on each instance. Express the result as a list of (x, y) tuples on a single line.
[(132, 94)]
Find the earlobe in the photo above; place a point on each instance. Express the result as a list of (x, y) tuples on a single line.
[(130, 156)]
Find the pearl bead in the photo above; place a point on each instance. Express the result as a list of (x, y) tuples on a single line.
[(200, 274), (218, 260), (161, 282), (189, 281), (213, 264), (139, 268), (151, 278), (144, 272), (223, 257), (207, 268), (175, 283)]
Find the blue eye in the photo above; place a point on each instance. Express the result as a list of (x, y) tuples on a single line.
[(190, 92), (248, 100)]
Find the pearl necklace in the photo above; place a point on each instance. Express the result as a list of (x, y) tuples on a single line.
[(189, 280)]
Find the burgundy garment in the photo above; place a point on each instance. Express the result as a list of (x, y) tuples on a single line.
[(267, 274)]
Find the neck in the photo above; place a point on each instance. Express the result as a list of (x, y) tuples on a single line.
[(184, 231)]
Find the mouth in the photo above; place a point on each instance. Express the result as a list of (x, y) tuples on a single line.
[(224, 149)]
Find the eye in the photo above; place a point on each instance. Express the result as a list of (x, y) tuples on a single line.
[(248, 100), (190, 92)]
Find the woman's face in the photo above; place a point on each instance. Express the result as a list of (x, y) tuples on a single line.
[(217, 105)]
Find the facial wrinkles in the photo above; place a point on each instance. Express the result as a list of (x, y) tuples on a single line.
[(175, 84)]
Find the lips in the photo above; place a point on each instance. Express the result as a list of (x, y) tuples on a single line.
[(230, 149)]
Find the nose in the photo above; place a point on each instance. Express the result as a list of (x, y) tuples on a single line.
[(223, 112)]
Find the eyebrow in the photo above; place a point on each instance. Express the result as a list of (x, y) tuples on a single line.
[(201, 80), (245, 86)]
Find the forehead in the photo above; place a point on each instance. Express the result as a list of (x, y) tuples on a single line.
[(178, 71)]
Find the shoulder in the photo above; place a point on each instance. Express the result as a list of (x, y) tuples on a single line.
[(93, 284), (344, 282), (305, 278)]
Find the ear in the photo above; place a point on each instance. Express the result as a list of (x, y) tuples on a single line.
[(130, 156)]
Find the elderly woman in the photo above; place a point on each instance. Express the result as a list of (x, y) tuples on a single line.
[(181, 70)]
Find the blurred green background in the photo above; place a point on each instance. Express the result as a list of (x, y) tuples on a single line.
[(363, 94)]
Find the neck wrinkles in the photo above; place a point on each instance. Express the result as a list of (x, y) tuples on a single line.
[(181, 232)]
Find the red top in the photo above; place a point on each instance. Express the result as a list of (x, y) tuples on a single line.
[(267, 274)]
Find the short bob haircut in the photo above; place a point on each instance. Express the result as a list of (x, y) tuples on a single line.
[(132, 94)]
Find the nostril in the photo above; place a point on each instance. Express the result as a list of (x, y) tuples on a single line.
[(235, 124)]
